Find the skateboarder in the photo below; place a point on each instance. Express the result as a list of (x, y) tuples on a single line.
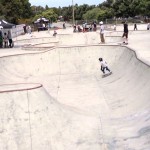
[(104, 66)]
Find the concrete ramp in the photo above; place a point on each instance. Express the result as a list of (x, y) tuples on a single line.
[(76, 108), (87, 38), (35, 120)]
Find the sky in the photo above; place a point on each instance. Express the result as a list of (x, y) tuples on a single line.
[(62, 3)]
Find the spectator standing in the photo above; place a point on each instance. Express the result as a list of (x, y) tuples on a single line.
[(29, 29), (95, 26), (25, 29), (79, 28), (74, 28), (102, 32), (1, 39), (125, 33), (148, 26), (10, 39), (64, 25), (114, 27), (83, 26), (5, 40), (91, 27), (55, 33), (135, 26)]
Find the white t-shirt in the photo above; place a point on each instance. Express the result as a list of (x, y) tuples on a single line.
[(83, 25), (103, 63), (114, 27), (5, 38), (102, 29)]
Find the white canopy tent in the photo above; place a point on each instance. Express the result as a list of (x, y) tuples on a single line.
[(41, 20), (5, 25)]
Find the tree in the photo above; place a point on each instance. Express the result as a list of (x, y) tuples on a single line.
[(126, 8), (46, 7), (144, 7), (67, 13), (48, 14), (15, 9), (92, 14), (81, 10), (98, 14)]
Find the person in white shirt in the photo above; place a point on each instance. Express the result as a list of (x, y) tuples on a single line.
[(104, 66), (83, 26), (114, 27), (102, 32), (29, 29)]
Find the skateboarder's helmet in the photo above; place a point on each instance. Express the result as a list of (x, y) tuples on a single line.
[(100, 59)]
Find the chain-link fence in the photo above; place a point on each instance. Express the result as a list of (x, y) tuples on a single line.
[(114, 21)]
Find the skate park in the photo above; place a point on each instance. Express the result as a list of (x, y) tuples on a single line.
[(53, 96)]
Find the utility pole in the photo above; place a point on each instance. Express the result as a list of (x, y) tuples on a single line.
[(72, 12)]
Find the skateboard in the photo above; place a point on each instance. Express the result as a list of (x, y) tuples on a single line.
[(123, 43), (106, 75)]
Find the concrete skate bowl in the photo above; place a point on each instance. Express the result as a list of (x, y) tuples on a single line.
[(76, 108)]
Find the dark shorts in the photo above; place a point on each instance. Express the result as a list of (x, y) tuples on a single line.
[(10, 41), (125, 34)]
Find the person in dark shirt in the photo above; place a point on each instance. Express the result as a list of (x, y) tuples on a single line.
[(1, 39), (135, 26), (95, 26), (55, 33), (10, 39), (125, 33), (5, 38)]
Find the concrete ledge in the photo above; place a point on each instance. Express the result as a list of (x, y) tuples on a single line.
[(19, 87)]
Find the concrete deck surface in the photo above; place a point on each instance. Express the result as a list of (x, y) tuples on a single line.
[(56, 99)]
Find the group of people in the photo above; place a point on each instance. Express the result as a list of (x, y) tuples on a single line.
[(92, 27), (85, 27), (124, 36), (102, 39), (27, 29), (104, 66), (6, 40)]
